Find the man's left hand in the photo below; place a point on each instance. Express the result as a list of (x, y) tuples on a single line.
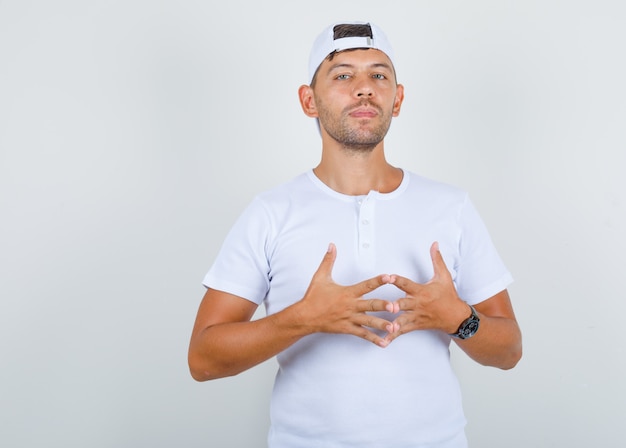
[(434, 305)]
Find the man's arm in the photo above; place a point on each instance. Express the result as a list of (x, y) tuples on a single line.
[(225, 342), (498, 341), (436, 306)]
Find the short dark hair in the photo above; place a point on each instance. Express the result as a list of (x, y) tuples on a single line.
[(348, 30)]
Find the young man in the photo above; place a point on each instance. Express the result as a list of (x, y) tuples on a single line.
[(362, 338)]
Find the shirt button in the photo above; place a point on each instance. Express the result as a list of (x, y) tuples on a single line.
[(365, 222), (365, 245)]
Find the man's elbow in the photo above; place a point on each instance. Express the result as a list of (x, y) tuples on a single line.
[(198, 368), (202, 371), (197, 374), (513, 358)]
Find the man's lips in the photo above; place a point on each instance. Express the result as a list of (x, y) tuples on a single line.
[(363, 112)]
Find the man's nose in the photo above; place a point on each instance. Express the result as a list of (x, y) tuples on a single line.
[(363, 89)]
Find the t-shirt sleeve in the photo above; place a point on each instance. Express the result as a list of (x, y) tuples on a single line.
[(481, 272), (241, 266)]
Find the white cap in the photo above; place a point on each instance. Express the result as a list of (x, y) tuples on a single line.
[(326, 43)]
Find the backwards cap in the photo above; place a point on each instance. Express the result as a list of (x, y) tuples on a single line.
[(326, 43)]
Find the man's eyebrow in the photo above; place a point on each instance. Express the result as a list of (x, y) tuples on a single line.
[(382, 65), (339, 66), (373, 65)]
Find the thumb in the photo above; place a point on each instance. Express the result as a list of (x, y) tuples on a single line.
[(326, 266), (439, 266)]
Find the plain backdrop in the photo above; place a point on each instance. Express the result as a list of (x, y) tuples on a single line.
[(133, 133)]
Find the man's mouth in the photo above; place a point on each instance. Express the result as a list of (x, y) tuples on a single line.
[(363, 112)]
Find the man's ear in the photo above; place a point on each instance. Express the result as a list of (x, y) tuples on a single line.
[(307, 101), (397, 103)]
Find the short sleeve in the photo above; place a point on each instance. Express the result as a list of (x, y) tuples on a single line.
[(241, 266), (481, 272)]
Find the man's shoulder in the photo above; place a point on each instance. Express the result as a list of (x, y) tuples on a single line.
[(299, 184), (293, 193), (420, 184)]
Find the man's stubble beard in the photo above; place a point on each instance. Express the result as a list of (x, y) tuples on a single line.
[(351, 137)]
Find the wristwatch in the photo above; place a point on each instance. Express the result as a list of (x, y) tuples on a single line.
[(468, 327)]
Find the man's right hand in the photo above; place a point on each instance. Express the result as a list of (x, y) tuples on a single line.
[(328, 307)]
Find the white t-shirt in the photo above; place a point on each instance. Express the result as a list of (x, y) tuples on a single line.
[(340, 390)]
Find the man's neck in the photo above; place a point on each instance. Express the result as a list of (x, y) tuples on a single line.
[(355, 172)]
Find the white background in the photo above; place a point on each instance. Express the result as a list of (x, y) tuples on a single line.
[(132, 134)]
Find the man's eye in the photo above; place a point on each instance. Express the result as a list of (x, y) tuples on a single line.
[(344, 76), (379, 76)]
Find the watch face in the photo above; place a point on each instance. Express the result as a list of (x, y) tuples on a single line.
[(469, 329)]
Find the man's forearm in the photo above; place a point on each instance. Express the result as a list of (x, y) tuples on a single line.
[(226, 349), (497, 343)]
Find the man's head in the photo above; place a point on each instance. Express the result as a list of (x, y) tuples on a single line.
[(345, 36), (353, 91)]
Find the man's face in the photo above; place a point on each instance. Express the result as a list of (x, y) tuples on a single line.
[(356, 96)]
